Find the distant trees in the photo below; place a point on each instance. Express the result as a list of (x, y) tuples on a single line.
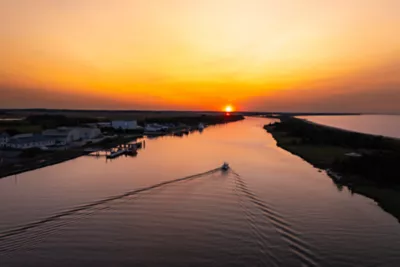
[(321, 135), (195, 120), (380, 156), (53, 121), (381, 167)]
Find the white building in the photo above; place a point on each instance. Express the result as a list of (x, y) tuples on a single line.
[(155, 127), (67, 135), (89, 133), (99, 125), (125, 125), (30, 141), (103, 125), (4, 138)]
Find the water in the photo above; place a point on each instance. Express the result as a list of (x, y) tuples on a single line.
[(272, 209), (385, 125)]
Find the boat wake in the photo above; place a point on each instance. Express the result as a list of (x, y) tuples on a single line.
[(33, 232), (27, 235), (300, 248)]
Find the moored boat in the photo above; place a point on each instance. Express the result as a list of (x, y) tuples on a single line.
[(115, 154)]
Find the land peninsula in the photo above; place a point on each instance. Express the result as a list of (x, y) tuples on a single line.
[(366, 164)]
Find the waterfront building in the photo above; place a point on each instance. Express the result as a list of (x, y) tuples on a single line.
[(30, 141), (68, 135), (126, 125)]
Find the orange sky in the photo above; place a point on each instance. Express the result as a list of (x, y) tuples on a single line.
[(288, 55)]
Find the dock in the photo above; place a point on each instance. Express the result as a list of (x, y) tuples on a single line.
[(125, 149), (128, 149)]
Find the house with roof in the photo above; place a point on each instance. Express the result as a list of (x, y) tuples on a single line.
[(4, 138), (68, 135), (99, 125), (155, 127), (30, 141), (125, 125), (88, 133)]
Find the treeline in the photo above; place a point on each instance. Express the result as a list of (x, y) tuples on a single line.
[(54, 121), (380, 167), (315, 134), (195, 120), (38, 123), (380, 156)]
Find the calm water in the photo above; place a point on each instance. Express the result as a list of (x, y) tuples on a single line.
[(385, 125), (272, 209)]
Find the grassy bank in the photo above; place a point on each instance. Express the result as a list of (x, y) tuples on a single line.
[(371, 170)]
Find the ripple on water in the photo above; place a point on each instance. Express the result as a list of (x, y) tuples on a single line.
[(213, 220), (304, 252), (189, 219)]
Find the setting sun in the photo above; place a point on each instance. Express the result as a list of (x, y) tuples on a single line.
[(228, 108)]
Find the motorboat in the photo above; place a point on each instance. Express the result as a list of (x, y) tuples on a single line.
[(225, 166)]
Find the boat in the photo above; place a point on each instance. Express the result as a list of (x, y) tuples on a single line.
[(131, 152), (201, 126), (114, 154), (131, 149), (154, 129), (225, 166), (139, 145)]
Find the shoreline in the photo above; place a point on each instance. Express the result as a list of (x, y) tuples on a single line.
[(328, 148), (40, 165), (56, 157)]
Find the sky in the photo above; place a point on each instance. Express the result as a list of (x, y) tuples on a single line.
[(257, 55)]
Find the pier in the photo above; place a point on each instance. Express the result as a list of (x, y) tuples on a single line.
[(124, 149)]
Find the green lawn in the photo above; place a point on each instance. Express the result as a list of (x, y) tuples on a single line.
[(322, 156)]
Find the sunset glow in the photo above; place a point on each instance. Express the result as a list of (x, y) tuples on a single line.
[(194, 55), (228, 108)]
